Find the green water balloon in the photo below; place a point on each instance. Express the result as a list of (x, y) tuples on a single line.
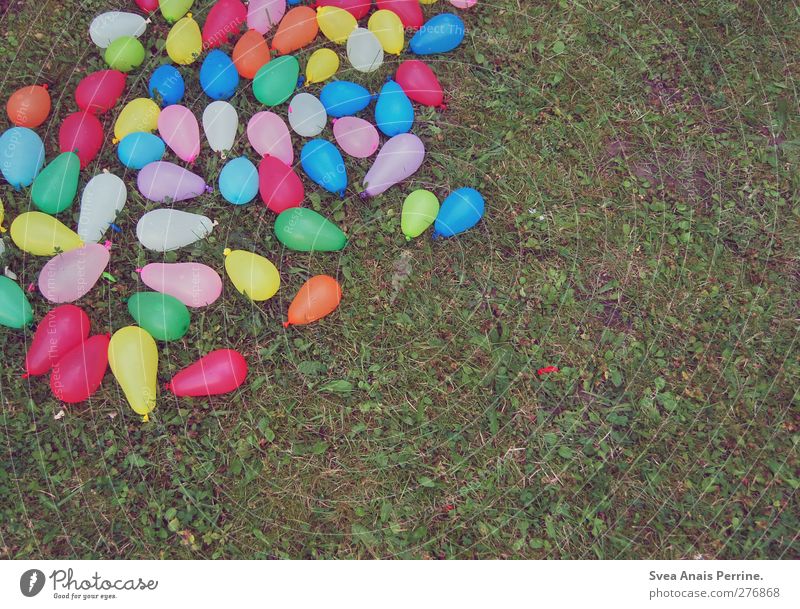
[(275, 81), (124, 54), (163, 316), (419, 212), (54, 188), (304, 230), (15, 310)]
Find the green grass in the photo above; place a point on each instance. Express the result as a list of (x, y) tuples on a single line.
[(639, 162)]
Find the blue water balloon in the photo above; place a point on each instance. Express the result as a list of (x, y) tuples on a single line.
[(343, 98), (21, 156), (323, 163), (218, 75), (439, 34), (459, 212), (166, 86), (238, 181), (394, 113), (140, 148)]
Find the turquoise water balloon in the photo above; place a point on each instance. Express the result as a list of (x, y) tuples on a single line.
[(167, 86), (394, 112), (140, 148), (343, 98), (462, 210), (238, 181), (21, 156), (323, 163), (218, 75)]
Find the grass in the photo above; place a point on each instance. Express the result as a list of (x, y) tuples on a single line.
[(639, 162)]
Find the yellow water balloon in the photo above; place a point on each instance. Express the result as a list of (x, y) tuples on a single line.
[(251, 274), (336, 23), (388, 29), (140, 114), (133, 357), (184, 41), (322, 64), (43, 235)]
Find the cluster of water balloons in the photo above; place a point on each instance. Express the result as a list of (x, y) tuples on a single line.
[(62, 345)]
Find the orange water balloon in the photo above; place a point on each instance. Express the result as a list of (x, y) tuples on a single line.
[(297, 29), (29, 106), (250, 53), (318, 297)]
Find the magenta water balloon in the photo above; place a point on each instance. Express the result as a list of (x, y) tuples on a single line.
[(357, 137), (398, 159), (163, 181), (179, 129)]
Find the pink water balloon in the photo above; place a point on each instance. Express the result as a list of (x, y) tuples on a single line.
[(263, 15), (179, 129), (162, 181), (69, 276), (269, 135), (463, 3), (357, 137), (194, 284), (398, 159)]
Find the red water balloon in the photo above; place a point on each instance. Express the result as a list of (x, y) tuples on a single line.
[(219, 372), (148, 6), (419, 83), (224, 20), (77, 375), (61, 329), (99, 91), (81, 133), (279, 186), (357, 8), (409, 11)]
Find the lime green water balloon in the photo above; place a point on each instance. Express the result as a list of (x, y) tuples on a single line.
[(419, 211), (124, 54)]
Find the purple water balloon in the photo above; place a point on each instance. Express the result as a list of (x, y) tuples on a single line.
[(161, 181), (399, 158)]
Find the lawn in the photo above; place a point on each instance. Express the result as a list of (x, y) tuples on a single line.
[(639, 162)]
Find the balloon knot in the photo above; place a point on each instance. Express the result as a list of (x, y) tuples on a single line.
[(114, 141), (107, 244), (166, 387), (333, 122), (226, 251), (138, 271), (26, 375), (408, 238), (31, 287), (105, 169), (45, 86), (145, 418), (363, 195), (108, 335), (208, 188), (301, 80), (189, 15), (286, 324), (2, 229), (441, 107)]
